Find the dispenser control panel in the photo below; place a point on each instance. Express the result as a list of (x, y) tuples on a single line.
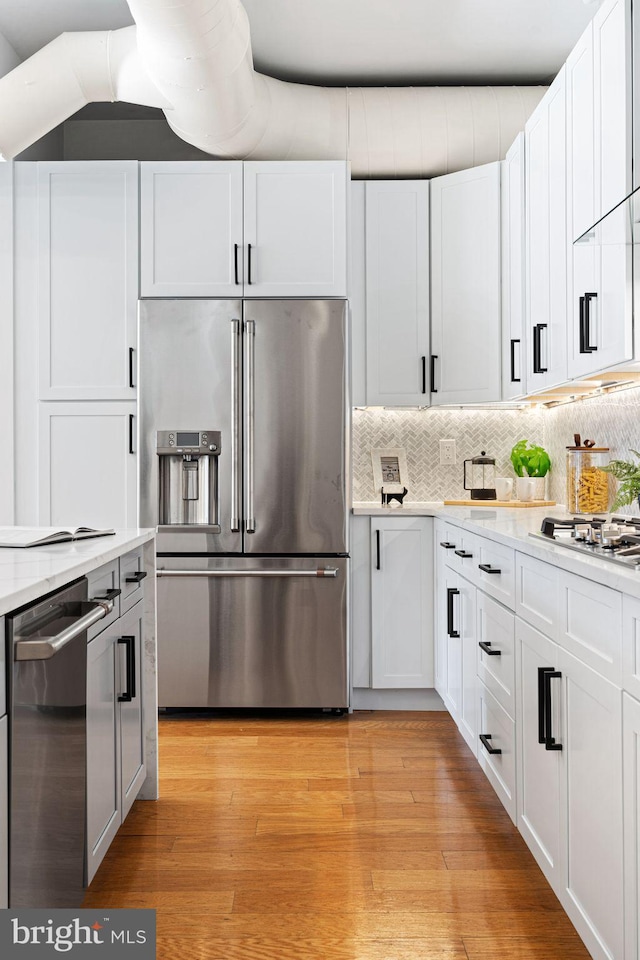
[(188, 442)]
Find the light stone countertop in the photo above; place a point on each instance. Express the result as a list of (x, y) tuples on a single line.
[(512, 528), (29, 573)]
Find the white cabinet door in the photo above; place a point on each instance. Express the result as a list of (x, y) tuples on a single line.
[(581, 136), (401, 602), (103, 750), (397, 292), (631, 646), (631, 760), (465, 286), (87, 471), (591, 799), (513, 271), (546, 247), (452, 636), (295, 229), (88, 279), (495, 649), (539, 770), (612, 56), (191, 229), (131, 720)]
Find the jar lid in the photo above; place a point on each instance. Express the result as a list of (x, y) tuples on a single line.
[(483, 459)]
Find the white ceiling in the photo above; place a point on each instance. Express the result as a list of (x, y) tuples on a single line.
[(360, 41)]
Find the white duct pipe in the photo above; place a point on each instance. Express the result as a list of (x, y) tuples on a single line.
[(193, 59), (73, 70), (198, 53)]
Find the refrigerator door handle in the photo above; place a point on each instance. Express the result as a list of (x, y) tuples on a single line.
[(320, 572), (235, 424), (250, 346)]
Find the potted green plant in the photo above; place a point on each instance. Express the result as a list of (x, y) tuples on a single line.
[(627, 473), (530, 461)]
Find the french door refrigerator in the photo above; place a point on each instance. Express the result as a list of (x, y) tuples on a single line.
[(243, 454)]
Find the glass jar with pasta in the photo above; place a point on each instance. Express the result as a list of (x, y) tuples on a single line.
[(587, 483)]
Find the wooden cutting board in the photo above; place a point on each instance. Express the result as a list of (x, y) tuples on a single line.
[(499, 503)]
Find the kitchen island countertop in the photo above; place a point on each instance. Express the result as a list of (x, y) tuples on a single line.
[(512, 528), (29, 573)]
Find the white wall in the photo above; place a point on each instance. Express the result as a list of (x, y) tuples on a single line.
[(8, 57)]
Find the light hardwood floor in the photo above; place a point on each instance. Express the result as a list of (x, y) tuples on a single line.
[(369, 837)]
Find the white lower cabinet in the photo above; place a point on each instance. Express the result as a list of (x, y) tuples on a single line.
[(497, 751), (401, 621), (115, 731), (631, 746), (570, 785)]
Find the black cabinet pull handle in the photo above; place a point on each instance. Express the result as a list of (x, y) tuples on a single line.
[(378, 566), (432, 372), (513, 377), (451, 593), (486, 646), (487, 568), (131, 432), (537, 352), (130, 692), (484, 740), (249, 263), (108, 595), (136, 577), (583, 337), (463, 554), (447, 545), (424, 374), (541, 703), (588, 297), (235, 264), (131, 365), (550, 740)]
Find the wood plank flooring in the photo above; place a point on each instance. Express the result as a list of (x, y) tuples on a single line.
[(369, 837)]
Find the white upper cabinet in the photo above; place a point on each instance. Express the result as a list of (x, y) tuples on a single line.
[(599, 112), (191, 229), (397, 292), (465, 286), (546, 240), (87, 279), (295, 229), (267, 229), (513, 268)]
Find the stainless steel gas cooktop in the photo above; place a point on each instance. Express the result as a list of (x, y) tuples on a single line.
[(617, 539)]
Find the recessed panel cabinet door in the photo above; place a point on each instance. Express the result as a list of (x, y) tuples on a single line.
[(465, 286), (88, 279), (88, 464), (513, 267), (132, 752), (295, 229), (191, 229), (401, 602), (397, 292)]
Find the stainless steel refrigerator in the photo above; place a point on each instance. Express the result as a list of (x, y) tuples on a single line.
[(243, 460)]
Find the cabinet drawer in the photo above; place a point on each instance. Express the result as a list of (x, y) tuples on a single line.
[(132, 576), (495, 632), (631, 646), (494, 571), (537, 597), (499, 729), (590, 625), (101, 581), (448, 540)]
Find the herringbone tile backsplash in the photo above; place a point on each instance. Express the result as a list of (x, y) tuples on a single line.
[(612, 421), (419, 431)]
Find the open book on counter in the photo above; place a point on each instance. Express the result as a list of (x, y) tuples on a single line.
[(40, 536)]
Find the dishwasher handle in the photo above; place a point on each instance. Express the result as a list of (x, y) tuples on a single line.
[(321, 572), (43, 648)]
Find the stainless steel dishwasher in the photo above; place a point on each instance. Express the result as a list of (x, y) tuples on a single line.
[(47, 650)]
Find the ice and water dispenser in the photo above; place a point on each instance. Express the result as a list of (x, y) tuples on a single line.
[(188, 479)]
